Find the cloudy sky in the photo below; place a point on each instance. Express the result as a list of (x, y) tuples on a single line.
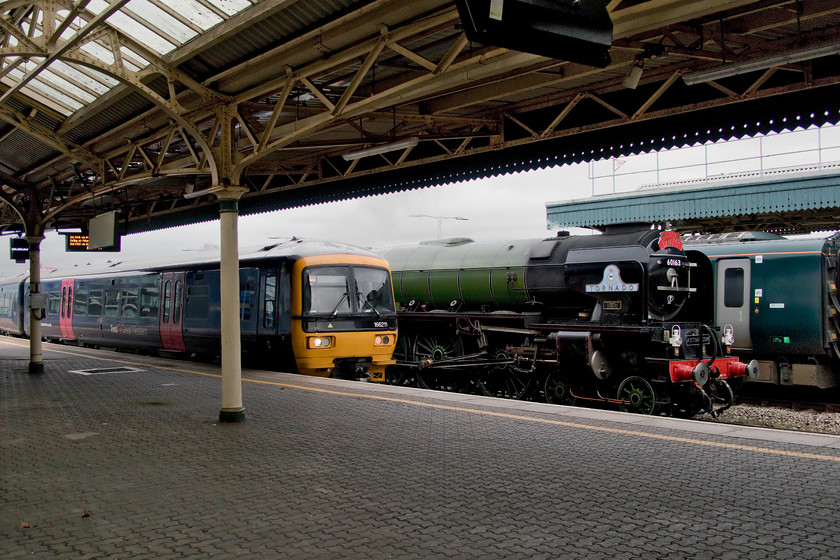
[(507, 207)]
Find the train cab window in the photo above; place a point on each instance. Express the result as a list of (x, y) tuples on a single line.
[(80, 302), (269, 306), (326, 290), (95, 303), (733, 287), (112, 302), (176, 313), (167, 298), (149, 301), (54, 303), (373, 290)]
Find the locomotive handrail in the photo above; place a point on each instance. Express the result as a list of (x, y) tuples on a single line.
[(675, 289)]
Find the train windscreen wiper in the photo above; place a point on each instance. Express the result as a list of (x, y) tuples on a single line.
[(365, 301), (337, 305)]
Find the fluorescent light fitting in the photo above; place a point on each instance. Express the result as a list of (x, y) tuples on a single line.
[(196, 194), (631, 80), (745, 66), (403, 144)]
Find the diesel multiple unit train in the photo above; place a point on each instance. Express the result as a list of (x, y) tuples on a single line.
[(322, 308), (613, 318), (780, 296)]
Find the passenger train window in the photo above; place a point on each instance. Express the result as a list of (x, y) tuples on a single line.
[(130, 299), (112, 302), (270, 300), (176, 313), (69, 302), (54, 303), (167, 298), (80, 303), (95, 303), (149, 301), (733, 287), (198, 302), (63, 299), (246, 294)]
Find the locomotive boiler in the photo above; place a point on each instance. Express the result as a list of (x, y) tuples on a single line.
[(606, 318)]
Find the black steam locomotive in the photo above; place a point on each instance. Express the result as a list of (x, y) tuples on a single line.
[(610, 318)]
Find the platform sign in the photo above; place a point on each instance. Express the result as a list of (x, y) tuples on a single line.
[(80, 242), (19, 249)]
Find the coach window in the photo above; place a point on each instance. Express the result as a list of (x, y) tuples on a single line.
[(69, 302), (270, 299), (149, 301), (80, 303), (733, 287), (130, 299), (167, 298), (95, 303), (54, 303), (198, 301), (63, 299), (176, 313), (246, 294), (112, 302)]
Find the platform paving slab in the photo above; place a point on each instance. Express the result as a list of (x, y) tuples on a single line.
[(136, 465)]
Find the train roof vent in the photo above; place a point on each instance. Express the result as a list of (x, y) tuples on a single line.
[(451, 242)]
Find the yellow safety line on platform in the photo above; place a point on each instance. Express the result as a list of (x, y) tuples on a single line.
[(506, 415)]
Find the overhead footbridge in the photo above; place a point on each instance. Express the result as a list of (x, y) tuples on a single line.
[(785, 202)]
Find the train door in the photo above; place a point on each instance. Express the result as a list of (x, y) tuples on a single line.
[(65, 318), (171, 311), (733, 303), (275, 316)]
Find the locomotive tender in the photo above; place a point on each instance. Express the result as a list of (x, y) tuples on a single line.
[(607, 318), (320, 308), (780, 295)]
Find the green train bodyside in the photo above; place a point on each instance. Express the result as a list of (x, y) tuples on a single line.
[(788, 320)]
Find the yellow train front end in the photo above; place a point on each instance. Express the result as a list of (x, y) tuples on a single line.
[(344, 322)]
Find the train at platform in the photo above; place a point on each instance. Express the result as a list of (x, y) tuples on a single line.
[(614, 318), (318, 308), (780, 296)]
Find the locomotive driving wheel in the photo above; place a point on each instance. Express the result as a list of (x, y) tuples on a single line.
[(557, 389), (636, 395), (435, 349), (504, 381)]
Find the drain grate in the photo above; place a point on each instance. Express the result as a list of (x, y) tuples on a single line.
[(104, 371)]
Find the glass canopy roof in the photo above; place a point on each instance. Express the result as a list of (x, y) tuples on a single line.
[(159, 25)]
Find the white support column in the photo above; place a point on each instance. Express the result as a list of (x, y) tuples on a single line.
[(232, 409), (36, 358)]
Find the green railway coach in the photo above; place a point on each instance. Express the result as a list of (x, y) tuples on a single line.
[(778, 296)]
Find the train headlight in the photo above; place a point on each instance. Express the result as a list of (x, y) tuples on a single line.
[(382, 340), (319, 342)]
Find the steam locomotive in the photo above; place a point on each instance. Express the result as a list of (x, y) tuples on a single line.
[(609, 318), (323, 309)]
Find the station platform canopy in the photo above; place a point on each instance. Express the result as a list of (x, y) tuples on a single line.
[(785, 202), (143, 107)]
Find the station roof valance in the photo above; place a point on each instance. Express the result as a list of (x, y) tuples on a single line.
[(795, 202)]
